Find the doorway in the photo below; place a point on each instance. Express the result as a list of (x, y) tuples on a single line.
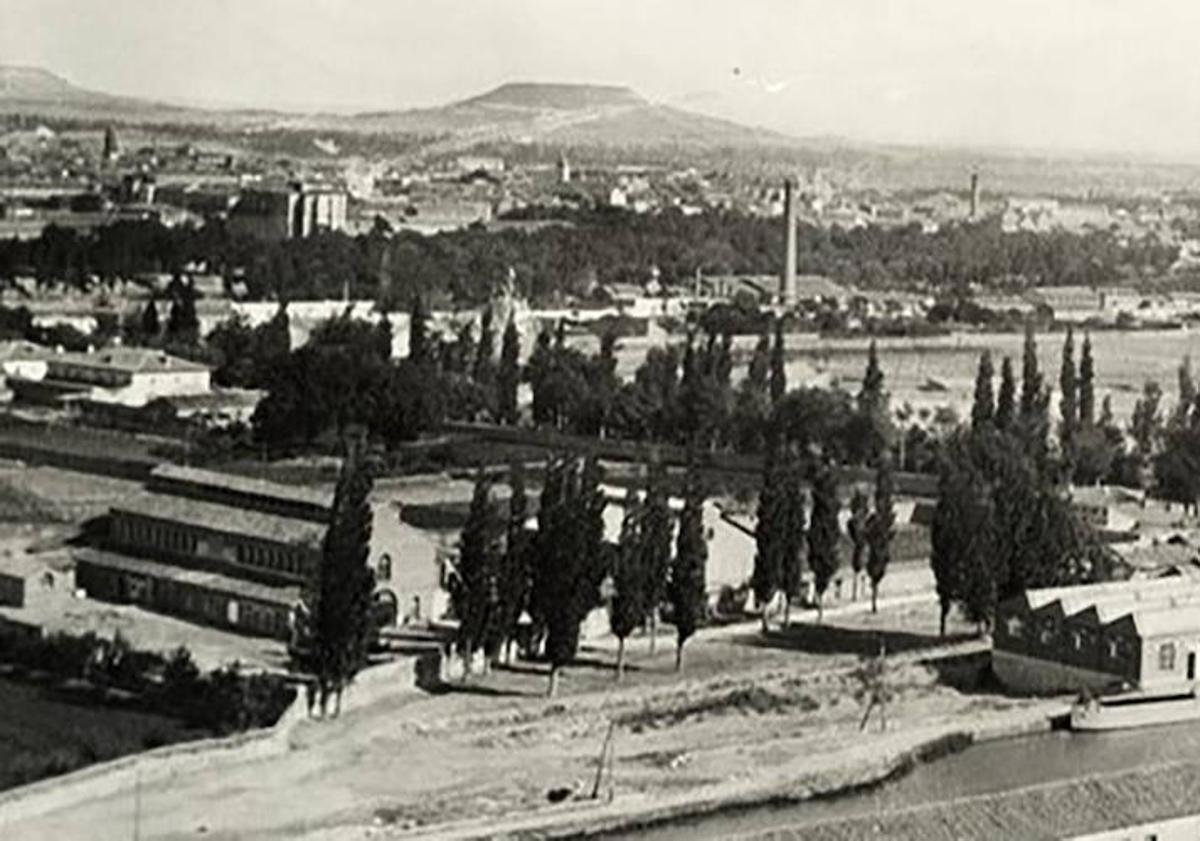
[(1191, 665)]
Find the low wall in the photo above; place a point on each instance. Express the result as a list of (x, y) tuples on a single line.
[(1032, 674), (127, 772)]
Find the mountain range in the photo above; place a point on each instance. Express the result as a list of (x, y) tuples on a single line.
[(609, 121), (519, 112)]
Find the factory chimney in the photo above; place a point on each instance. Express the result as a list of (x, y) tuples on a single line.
[(974, 194), (787, 289)]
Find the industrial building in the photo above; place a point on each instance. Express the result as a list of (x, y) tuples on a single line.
[(1141, 635), (236, 552)]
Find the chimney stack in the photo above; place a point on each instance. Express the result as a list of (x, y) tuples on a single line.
[(787, 291), (974, 194)]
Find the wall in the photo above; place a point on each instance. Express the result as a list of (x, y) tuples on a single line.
[(1033, 674)]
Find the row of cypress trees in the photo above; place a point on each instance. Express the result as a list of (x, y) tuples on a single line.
[(558, 573)]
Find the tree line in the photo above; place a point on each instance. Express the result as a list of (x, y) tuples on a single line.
[(1004, 521), (557, 573), (598, 245)]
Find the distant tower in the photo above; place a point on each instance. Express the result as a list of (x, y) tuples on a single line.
[(111, 150), (564, 169), (787, 289), (974, 194)]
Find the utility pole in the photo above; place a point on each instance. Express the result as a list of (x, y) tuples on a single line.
[(137, 806)]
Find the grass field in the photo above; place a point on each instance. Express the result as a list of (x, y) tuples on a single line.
[(44, 732)]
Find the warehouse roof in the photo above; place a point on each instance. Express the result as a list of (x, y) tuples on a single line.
[(223, 518)]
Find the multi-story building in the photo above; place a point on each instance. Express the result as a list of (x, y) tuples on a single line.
[(236, 552), (287, 212)]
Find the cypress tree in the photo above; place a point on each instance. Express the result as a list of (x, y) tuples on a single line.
[(484, 350), (182, 322), (767, 576), (753, 403), (873, 408), (1070, 403), (476, 590), (150, 325), (778, 372), (514, 584), (509, 377), (860, 510), (569, 554), (1187, 385), (339, 594), (628, 608), (658, 529), (274, 342), (792, 525), (1087, 384), (1006, 398), (418, 331), (880, 530), (1035, 401), (687, 588), (823, 532), (983, 410)]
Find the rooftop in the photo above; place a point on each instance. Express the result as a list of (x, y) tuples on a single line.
[(224, 518), (243, 485), (285, 595), (133, 360)]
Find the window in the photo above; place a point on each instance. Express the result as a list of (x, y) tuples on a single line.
[(1047, 631), (1014, 626), (1077, 640), (1166, 657)]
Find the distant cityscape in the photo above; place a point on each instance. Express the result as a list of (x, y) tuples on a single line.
[(557, 463)]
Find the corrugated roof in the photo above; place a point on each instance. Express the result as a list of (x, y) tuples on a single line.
[(284, 595), (224, 518), (246, 485)]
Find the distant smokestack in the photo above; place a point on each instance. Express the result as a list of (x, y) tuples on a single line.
[(787, 291), (974, 194)]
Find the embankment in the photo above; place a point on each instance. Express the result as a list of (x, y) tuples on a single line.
[(128, 772), (876, 761)]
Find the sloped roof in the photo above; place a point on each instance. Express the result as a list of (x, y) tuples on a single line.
[(224, 518), (133, 360), (286, 595), (243, 485)]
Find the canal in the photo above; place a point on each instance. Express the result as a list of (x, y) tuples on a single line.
[(981, 769)]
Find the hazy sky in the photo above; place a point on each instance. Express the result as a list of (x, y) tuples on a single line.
[(1085, 74)]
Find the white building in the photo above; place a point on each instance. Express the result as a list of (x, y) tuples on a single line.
[(128, 376)]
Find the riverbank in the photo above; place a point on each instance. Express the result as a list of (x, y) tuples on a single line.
[(877, 760)]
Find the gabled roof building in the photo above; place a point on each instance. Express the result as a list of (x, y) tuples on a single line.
[(1142, 635)]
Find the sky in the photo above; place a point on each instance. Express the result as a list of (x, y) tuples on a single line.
[(1085, 75)]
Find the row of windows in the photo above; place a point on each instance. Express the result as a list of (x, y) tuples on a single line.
[(1047, 631), (274, 558), (156, 535), (146, 534)]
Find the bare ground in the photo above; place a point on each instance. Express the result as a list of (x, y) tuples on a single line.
[(749, 712)]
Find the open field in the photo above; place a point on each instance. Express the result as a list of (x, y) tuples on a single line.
[(1124, 361), (45, 732)]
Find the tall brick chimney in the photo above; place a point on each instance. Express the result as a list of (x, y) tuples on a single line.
[(974, 194), (787, 288)]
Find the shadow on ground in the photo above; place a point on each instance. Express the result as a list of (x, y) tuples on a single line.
[(831, 639)]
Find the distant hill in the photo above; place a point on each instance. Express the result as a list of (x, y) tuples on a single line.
[(563, 97), (607, 122), (578, 114)]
